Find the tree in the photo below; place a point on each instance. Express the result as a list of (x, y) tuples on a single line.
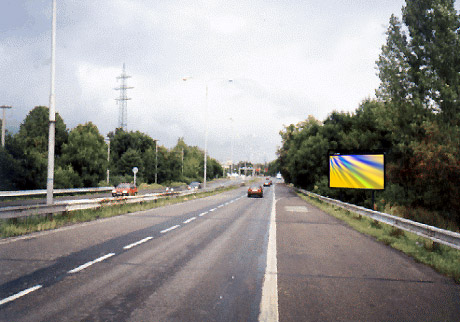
[(122, 142), (393, 66), (86, 153), (433, 55), (30, 147), (130, 159)]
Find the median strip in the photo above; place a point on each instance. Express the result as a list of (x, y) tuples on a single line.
[(137, 243), (20, 294), (82, 267)]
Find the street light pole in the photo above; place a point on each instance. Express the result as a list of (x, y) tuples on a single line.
[(206, 128), (108, 159), (233, 138), (156, 161), (4, 107), (205, 138), (52, 114)]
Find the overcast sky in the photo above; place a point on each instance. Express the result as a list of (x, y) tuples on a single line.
[(287, 59)]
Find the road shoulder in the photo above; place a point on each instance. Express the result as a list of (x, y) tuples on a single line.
[(328, 271)]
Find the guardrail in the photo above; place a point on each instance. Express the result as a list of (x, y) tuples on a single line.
[(21, 193), (442, 236), (72, 205)]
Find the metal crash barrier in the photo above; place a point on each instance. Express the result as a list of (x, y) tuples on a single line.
[(438, 235)]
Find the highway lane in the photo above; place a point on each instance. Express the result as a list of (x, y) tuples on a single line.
[(205, 260), (200, 260)]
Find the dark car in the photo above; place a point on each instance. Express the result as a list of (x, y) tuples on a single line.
[(256, 190), (194, 185), (267, 183), (124, 189)]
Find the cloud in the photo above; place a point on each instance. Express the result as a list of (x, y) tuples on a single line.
[(288, 59)]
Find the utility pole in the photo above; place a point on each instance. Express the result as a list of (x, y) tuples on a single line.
[(122, 100), (52, 114), (4, 107)]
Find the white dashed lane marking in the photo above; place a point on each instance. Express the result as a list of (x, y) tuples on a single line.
[(97, 260), (138, 243), (20, 294), (169, 229), (189, 220), (102, 258)]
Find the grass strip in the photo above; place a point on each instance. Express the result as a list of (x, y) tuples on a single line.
[(27, 225), (444, 259)]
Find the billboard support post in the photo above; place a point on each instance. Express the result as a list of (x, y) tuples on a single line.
[(373, 200)]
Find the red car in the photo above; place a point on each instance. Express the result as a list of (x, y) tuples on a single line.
[(124, 189), (256, 190)]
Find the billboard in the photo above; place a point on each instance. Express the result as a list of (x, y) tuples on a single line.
[(357, 170)]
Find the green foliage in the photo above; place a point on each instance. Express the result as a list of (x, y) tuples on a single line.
[(86, 155), (81, 157), (415, 119), (30, 148), (65, 177), (9, 169)]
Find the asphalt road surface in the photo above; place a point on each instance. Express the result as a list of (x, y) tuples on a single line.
[(206, 259)]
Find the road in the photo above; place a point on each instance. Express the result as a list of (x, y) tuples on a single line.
[(205, 260)]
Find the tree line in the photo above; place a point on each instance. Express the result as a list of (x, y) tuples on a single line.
[(415, 119), (81, 157)]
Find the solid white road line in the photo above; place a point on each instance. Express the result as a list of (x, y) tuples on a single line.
[(189, 220), (137, 243), (20, 294), (169, 229), (269, 302), (82, 267)]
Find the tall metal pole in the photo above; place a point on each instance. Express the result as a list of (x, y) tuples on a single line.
[(205, 138), (182, 161), (156, 161), (4, 107), (233, 138), (52, 114), (108, 160)]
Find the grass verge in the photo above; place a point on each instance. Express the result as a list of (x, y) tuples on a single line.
[(27, 225), (444, 259)]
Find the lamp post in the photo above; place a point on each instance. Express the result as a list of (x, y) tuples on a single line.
[(4, 107), (156, 161), (108, 159), (233, 138), (52, 114), (206, 125)]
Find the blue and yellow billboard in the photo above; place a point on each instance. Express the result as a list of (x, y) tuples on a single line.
[(357, 171)]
